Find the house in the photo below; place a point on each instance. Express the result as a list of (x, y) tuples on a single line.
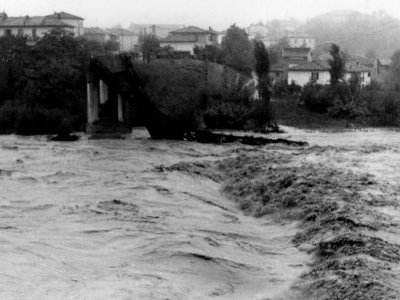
[(221, 35), (380, 70), (36, 27), (185, 39), (301, 41), (128, 40), (315, 71), (318, 72), (279, 71), (268, 42), (257, 31), (161, 31), (74, 21), (362, 72), (99, 35), (296, 56)]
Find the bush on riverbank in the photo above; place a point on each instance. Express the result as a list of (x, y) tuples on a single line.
[(198, 94), (344, 105)]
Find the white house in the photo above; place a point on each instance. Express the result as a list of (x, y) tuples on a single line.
[(301, 41), (316, 71), (362, 72), (99, 35), (128, 40), (296, 56), (74, 21), (185, 39), (36, 27)]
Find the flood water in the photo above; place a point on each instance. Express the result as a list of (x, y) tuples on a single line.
[(97, 219)]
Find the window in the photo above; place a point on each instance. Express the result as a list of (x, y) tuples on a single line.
[(7, 32), (20, 32), (277, 74), (369, 74), (314, 76), (34, 33)]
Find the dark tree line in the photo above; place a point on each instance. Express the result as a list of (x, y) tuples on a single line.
[(43, 87)]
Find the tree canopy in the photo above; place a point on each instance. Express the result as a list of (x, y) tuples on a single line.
[(394, 73), (261, 67), (43, 86), (337, 64), (150, 46), (237, 50)]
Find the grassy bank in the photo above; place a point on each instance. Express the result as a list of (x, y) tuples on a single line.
[(290, 112), (340, 224)]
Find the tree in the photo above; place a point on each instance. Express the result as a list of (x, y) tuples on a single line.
[(150, 46), (393, 79), (209, 52), (336, 64), (275, 51), (237, 50), (261, 67), (44, 84)]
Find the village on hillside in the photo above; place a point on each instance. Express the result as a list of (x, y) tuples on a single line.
[(201, 160), (298, 63)]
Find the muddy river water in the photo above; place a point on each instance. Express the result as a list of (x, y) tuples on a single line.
[(96, 219), (102, 219)]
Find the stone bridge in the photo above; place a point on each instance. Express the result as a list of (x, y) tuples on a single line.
[(113, 90)]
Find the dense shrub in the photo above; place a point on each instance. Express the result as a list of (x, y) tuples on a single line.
[(316, 97), (8, 115), (196, 93), (348, 100), (383, 107), (43, 121), (45, 79)]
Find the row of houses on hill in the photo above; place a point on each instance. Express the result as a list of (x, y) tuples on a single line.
[(297, 65), (303, 72), (181, 39), (36, 27)]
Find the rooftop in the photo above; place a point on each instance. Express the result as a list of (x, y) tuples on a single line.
[(279, 66), (64, 15), (300, 35), (96, 31), (354, 67), (311, 66), (296, 52), (194, 29), (120, 31), (32, 22), (180, 38)]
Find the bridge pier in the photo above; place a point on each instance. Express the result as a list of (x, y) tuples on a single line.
[(107, 110)]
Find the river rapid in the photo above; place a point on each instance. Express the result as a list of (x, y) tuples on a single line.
[(97, 219)]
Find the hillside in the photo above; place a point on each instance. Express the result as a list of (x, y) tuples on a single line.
[(356, 32)]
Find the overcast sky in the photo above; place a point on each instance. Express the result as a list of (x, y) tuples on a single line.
[(219, 14)]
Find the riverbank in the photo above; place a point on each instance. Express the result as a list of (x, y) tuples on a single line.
[(289, 112), (349, 212)]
